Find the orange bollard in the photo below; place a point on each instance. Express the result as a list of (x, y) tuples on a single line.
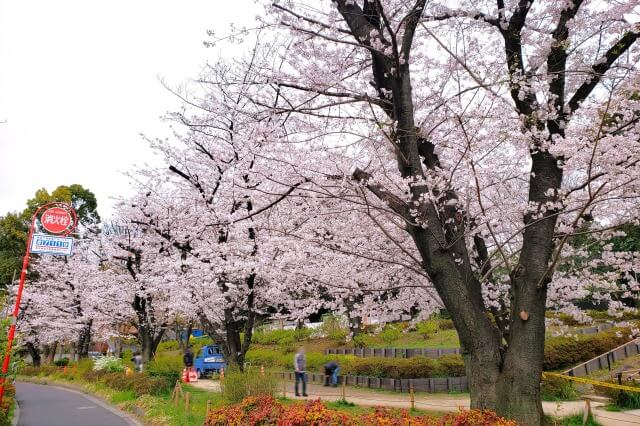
[(64, 370)]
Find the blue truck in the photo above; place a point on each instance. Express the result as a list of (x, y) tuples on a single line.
[(209, 360)]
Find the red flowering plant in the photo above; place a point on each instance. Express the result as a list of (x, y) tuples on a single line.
[(265, 410)]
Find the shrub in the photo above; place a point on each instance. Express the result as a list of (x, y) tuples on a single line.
[(363, 340), (168, 368), (560, 352), (61, 362), (627, 400), (109, 364), (274, 337), (557, 389), (238, 385), (446, 324), (399, 368), (301, 334), (427, 328), (120, 381), (451, 366), (169, 345), (145, 385), (333, 329), (266, 357), (30, 371), (93, 375), (390, 334)]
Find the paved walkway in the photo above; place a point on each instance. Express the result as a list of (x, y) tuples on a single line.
[(54, 406)]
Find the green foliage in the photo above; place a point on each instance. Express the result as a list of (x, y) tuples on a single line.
[(109, 364), (427, 328), (119, 381), (561, 352), (13, 237), (390, 334), (557, 389), (363, 340), (396, 368), (266, 357), (139, 383), (273, 337), (575, 420), (333, 329), (81, 199), (627, 400), (446, 324), (399, 368), (168, 346), (197, 343), (61, 362), (281, 337), (630, 242), (146, 385), (168, 368), (238, 385)]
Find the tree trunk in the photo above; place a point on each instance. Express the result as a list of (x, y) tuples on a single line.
[(51, 353), (188, 332), (148, 342), (84, 340), (35, 354), (355, 325)]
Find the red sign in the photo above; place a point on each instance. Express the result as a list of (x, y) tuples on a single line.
[(56, 220)]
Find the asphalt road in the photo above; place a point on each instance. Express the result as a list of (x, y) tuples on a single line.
[(42, 405)]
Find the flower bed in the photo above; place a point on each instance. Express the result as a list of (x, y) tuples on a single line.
[(263, 411)]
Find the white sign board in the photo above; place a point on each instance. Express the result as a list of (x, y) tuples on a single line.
[(51, 244)]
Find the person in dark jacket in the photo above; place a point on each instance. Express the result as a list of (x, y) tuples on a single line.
[(331, 370), (188, 358)]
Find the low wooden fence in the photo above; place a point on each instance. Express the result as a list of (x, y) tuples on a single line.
[(433, 384), (606, 360), (595, 329), (427, 352), (393, 352)]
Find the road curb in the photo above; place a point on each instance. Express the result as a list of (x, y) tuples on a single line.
[(16, 414), (93, 398)]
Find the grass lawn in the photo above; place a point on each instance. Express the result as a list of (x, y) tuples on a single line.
[(411, 340)]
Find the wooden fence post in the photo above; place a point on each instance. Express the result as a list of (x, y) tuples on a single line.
[(412, 395), (284, 386), (587, 412), (344, 388)]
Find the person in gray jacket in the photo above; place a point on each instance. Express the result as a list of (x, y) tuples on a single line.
[(300, 365)]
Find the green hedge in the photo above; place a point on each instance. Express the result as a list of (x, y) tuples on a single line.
[(395, 368), (563, 352)]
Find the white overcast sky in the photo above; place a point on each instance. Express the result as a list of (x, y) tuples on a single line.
[(79, 83)]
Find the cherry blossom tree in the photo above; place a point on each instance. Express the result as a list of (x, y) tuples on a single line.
[(509, 123)]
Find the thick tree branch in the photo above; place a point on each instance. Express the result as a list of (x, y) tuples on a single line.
[(600, 68)]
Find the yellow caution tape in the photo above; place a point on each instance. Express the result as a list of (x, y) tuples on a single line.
[(593, 382)]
